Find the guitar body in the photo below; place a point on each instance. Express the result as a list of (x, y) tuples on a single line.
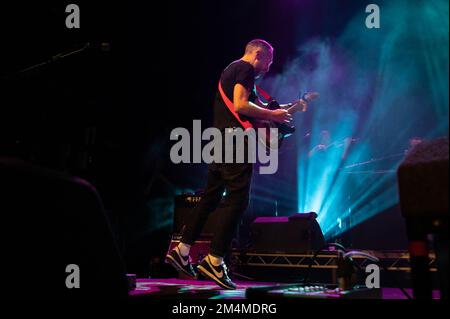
[(270, 134), (263, 129), (274, 141)]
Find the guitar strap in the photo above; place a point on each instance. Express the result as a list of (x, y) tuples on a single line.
[(263, 93), (245, 124)]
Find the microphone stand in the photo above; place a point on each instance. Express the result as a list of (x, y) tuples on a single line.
[(53, 59)]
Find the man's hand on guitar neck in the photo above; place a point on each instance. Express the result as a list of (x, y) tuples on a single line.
[(301, 105), (297, 106)]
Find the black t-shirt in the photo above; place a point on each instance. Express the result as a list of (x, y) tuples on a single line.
[(237, 72)]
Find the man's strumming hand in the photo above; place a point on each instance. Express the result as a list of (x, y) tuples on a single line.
[(280, 116)]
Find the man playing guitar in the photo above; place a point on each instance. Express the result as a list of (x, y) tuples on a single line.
[(237, 84)]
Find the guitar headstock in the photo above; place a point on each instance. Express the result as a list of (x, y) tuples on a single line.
[(310, 96)]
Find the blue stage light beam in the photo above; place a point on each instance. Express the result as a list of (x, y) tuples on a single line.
[(380, 87)]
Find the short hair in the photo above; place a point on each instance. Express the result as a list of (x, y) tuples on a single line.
[(258, 43)]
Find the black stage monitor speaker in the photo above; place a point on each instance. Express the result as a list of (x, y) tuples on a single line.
[(50, 221), (299, 233), (423, 180), (423, 189)]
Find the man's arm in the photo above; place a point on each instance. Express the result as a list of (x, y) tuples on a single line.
[(264, 105), (261, 103), (243, 106), (297, 106)]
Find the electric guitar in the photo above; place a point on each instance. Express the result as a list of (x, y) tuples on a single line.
[(268, 140)]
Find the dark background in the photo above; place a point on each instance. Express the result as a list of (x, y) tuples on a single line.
[(105, 114)]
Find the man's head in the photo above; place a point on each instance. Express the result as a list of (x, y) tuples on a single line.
[(259, 53)]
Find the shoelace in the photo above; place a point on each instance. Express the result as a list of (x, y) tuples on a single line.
[(225, 269)]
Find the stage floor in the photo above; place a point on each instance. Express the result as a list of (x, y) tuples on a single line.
[(171, 288), (196, 289)]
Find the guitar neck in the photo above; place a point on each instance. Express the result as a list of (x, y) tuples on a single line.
[(291, 110)]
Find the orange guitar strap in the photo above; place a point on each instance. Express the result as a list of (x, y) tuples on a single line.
[(263, 93), (230, 105)]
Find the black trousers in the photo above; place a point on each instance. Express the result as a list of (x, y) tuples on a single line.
[(235, 179)]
